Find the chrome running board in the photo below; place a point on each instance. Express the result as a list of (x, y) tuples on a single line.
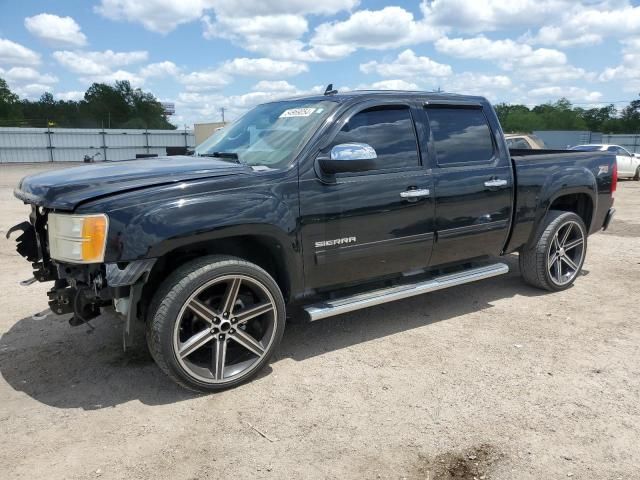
[(339, 306)]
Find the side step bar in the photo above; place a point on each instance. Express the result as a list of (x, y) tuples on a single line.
[(339, 306)]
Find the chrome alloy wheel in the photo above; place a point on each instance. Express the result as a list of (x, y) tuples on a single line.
[(225, 328), (566, 253)]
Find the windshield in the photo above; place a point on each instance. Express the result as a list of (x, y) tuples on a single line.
[(587, 148), (270, 134)]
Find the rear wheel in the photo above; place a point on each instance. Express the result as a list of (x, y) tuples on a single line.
[(636, 177), (556, 259), (215, 323)]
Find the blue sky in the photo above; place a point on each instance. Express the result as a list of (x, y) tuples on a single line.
[(208, 54)]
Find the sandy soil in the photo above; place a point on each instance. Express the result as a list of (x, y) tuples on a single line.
[(492, 380)]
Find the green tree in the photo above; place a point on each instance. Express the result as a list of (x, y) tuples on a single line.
[(9, 104)]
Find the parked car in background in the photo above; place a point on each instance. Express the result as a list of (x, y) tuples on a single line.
[(521, 141), (628, 163)]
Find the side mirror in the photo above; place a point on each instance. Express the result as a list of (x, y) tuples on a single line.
[(349, 157)]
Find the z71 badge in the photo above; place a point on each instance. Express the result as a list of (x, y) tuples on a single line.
[(337, 241)]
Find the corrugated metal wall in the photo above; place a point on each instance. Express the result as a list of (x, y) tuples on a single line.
[(630, 142), (72, 144), (561, 139)]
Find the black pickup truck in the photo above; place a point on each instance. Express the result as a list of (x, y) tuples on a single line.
[(318, 205)]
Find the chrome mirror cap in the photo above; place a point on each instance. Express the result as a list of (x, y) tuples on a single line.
[(353, 151)]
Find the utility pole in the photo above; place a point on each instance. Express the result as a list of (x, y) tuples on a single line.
[(222, 109)]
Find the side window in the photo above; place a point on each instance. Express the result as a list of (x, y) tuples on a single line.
[(613, 150), (519, 144), (389, 130), (461, 135), (623, 152)]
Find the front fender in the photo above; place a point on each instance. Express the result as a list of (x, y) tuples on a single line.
[(157, 229)]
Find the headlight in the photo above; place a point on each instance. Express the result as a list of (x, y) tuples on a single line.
[(77, 238)]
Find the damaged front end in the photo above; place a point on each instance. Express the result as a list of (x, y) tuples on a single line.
[(59, 247)]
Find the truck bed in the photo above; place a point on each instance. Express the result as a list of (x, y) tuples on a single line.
[(535, 176)]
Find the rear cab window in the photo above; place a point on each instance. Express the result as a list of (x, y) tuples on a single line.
[(389, 130), (461, 135)]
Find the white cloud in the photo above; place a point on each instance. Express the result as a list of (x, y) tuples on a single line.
[(25, 75), (69, 96), (504, 51), (487, 15), (391, 84), (576, 94), (493, 87), (274, 86), (589, 24), (204, 81), (160, 16), (629, 70), (202, 107), (257, 28), (111, 77), (97, 63), (525, 62), (12, 53), (32, 90), (407, 64), (374, 29), (56, 31), (250, 8), (263, 67), (160, 69), (163, 16)]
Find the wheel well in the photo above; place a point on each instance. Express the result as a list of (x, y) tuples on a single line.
[(261, 250), (578, 203)]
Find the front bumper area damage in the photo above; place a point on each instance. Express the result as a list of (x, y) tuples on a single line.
[(84, 289)]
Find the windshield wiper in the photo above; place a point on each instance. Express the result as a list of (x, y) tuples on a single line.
[(223, 155)]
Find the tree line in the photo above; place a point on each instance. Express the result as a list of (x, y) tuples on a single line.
[(562, 115), (103, 106)]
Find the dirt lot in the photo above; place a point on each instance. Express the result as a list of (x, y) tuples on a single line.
[(493, 380)]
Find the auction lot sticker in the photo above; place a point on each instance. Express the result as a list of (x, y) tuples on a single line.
[(297, 112)]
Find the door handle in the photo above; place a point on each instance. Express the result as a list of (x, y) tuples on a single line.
[(495, 182), (417, 193)]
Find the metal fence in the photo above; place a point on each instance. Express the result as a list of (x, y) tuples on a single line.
[(562, 139), (72, 144), (630, 142)]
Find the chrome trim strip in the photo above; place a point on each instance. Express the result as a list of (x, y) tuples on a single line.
[(377, 297), (352, 251), (472, 229)]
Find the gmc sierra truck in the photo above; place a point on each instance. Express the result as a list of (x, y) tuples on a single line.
[(318, 205)]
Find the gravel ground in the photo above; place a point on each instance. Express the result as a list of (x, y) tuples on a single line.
[(492, 380)]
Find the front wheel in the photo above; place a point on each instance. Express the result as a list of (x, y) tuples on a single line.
[(556, 259), (636, 177), (215, 322)]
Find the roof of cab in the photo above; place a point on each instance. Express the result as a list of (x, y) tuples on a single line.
[(372, 94)]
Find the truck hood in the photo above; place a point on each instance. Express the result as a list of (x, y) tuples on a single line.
[(65, 189)]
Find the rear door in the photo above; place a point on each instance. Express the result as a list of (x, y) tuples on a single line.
[(359, 226), (473, 182)]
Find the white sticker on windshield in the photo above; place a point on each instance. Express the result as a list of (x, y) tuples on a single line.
[(297, 112)]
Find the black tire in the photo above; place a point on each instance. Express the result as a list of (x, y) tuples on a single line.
[(535, 262), (169, 311), (636, 177)]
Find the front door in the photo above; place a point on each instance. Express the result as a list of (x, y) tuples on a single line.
[(357, 227)]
